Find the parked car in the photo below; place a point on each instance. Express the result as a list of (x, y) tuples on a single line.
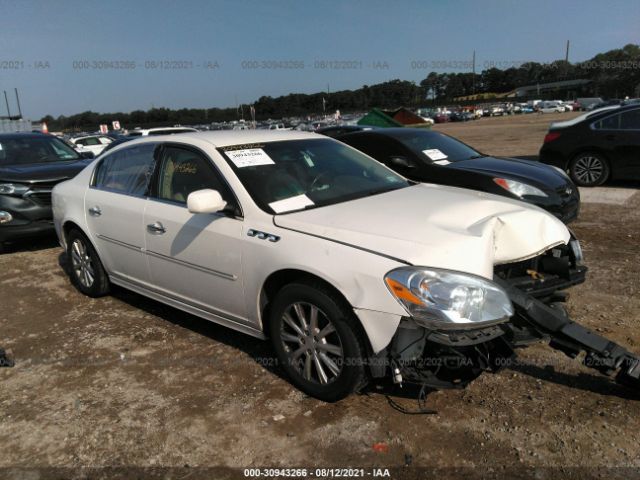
[(441, 117), (549, 107), (143, 132), (337, 130), (433, 157), (119, 141), (92, 143), (30, 165), (585, 102), (496, 111), (606, 103), (351, 270), (596, 146)]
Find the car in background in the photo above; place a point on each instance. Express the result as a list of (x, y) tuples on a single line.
[(549, 107), (496, 111), (586, 102), (337, 130), (118, 141), (596, 146), (441, 117), (91, 143), (143, 132), (433, 157), (31, 164)]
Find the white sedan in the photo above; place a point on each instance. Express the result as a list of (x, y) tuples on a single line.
[(92, 143), (350, 269)]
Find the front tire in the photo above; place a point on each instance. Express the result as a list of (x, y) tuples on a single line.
[(317, 342), (589, 169), (85, 268)]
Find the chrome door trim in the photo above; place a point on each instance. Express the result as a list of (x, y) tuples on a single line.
[(193, 266), (119, 243)]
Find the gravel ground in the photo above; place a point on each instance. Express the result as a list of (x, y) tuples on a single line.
[(124, 383)]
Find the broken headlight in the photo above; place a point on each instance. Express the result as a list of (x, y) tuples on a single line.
[(448, 300)]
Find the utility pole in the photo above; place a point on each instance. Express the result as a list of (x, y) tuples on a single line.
[(473, 75), (566, 55), (6, 100), (18, 102)]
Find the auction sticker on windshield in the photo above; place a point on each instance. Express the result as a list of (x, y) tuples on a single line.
[(434, 154), (250, 157)]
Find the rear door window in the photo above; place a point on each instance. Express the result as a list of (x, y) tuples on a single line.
[(630, 120), (612, 122), (127, 171)]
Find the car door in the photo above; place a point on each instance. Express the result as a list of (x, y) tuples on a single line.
[(630, 144), (194, 258), (619, 135), (114, 209)]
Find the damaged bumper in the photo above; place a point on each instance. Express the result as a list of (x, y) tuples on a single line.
[(451, 359)]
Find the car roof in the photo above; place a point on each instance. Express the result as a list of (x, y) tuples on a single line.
[(25, 135), (225, 138)]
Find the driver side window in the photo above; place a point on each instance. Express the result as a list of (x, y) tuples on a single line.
[(183, 171)]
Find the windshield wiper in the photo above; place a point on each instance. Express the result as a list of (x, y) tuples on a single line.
[(480, 155)]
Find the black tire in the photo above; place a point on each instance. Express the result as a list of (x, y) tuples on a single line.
[(346, 335), (81, 255), (589, 169)]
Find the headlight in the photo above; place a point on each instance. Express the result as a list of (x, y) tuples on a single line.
[(13, 189), (519, 189), (448, 300)]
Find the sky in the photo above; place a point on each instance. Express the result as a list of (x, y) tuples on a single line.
[(71, 56)]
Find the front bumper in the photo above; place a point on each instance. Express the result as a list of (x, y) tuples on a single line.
[(10, 232), (31, 215)]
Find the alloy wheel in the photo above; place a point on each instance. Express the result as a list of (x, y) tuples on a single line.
[(82, 263), (312, 344), (588, 169)]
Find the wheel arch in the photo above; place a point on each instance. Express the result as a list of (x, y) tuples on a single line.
[(69, 225), (581, 150), (280, 278)]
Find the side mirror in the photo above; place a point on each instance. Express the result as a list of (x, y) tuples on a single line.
[(87, 155), (205, 201), (402, 162)]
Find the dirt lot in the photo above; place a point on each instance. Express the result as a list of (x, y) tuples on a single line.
[(123, 381)]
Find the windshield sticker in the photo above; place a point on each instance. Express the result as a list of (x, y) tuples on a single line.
[(292, 203), (442, 162), (250, 157), (434, 154)]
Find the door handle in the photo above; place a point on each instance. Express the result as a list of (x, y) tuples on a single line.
[(156, 228), (610, 137), (95, 211)]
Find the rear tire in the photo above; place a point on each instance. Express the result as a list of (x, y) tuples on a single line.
[(85, 268), (589, 169), (317, 341)]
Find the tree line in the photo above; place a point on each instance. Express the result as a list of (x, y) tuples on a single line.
[(613, 74)]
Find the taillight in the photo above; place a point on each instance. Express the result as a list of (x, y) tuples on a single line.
[(551, 136)]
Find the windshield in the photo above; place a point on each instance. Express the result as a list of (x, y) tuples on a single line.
[(26, 150), (435, 147), (301, 174)]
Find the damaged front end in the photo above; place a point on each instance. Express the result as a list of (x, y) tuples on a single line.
[(437, 354)]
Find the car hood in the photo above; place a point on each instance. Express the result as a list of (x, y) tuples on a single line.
[(543, 176), (436, 226), (42, 172)]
